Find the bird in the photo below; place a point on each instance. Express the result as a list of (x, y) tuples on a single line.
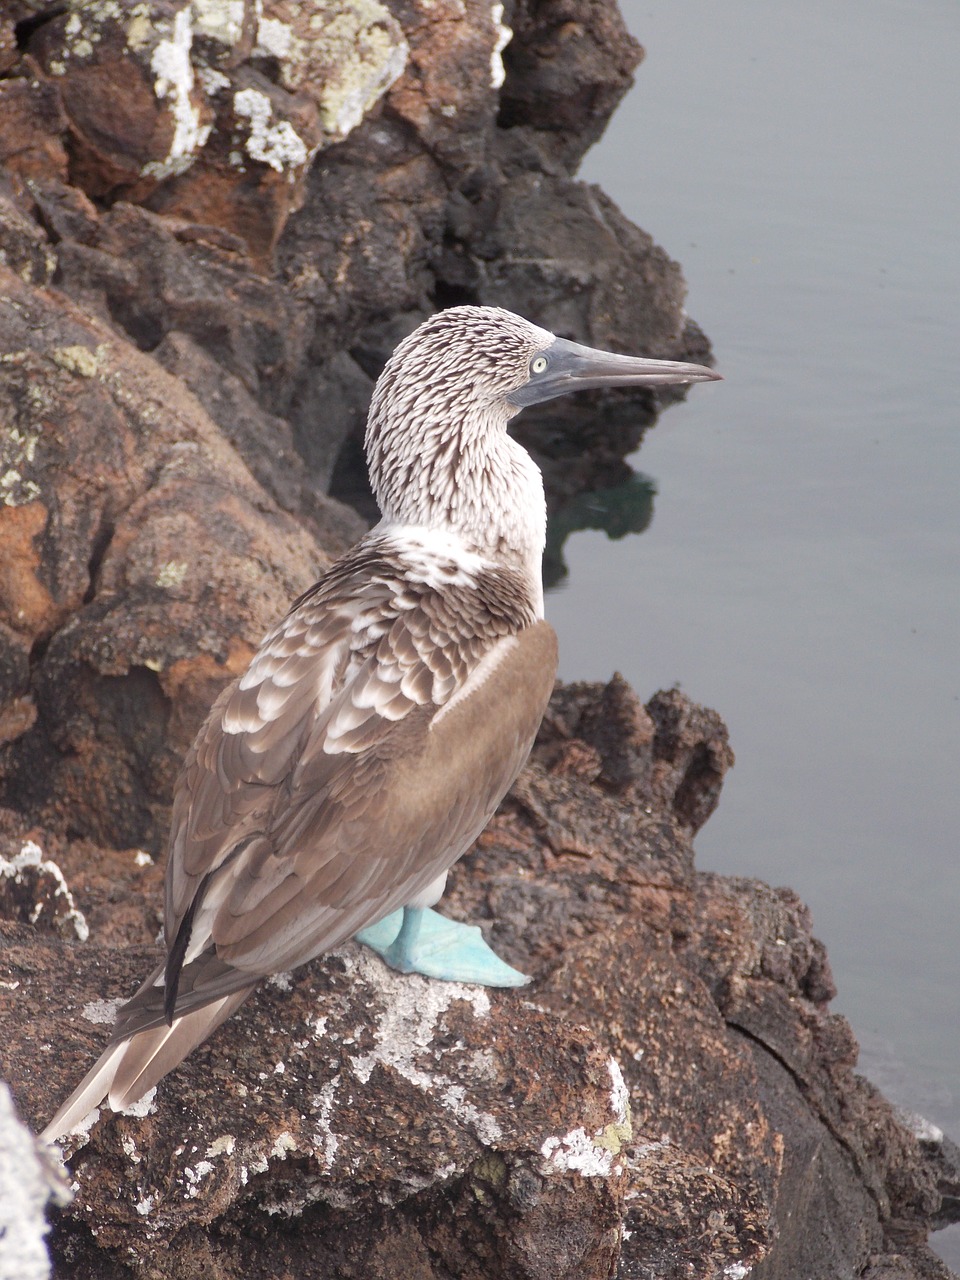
[(380, 723)]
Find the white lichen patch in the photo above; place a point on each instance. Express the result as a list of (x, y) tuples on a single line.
[(78, 39), (17, 490), (139, 28), (212, 81), (83, 1126), (220, 20), (194, 1176), (283, 1144), (593, 1156), (79, 360), (19, 449), (145, 1107), (174, 84), (345, 56), (736, 1271), (412, 1008), (222, 1146), (620, 1099), (23, 868), (502, 37), (142, 859), (24, 443), (576, 1152), (130, 1149), (282, 981), (324, 1139), (483, 1125), (483, 1064), (103, 1012), (276, 144), (172, 574), (370, 53), (274, 38)]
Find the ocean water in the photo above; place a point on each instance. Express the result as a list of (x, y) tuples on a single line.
[(801, 571)]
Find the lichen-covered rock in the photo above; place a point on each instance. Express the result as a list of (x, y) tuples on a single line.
[(142, 565), (126, 80), (216, 221), (33, 890), (623, 1115), (213, 111), (371, 1095)]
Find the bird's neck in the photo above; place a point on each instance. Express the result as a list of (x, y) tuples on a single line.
[(472, 483)]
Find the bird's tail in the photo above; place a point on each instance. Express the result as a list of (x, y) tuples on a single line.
[(130, 1066)]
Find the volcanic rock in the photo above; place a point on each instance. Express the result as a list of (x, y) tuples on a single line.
[(216, 221)]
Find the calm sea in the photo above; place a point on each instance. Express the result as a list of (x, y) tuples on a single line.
[(802, 569)]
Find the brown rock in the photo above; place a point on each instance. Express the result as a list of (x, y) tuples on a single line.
[(25, 247), (26, 605), (452, 73), (210, 112), (32, 125), (135, 112), (382, 1125), (564, 251), (149, 526), (157, 169), (383, 1099), (568, 66)]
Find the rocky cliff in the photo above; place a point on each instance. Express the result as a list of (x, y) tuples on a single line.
[(216, 219)]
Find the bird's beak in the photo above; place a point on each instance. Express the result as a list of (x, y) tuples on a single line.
[(572, 367)]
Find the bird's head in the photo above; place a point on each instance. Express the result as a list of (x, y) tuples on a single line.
[(436, 436)]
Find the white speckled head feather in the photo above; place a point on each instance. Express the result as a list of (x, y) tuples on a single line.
[(437, 445)]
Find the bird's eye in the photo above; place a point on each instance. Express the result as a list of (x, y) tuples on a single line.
[(538, 364)]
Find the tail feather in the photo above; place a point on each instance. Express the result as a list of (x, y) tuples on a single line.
[(130, 1067), (89, 1093), (151, 1054)]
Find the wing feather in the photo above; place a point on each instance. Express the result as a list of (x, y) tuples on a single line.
[(325, 789)]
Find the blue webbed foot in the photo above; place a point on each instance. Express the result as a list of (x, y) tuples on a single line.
[(416, 940)]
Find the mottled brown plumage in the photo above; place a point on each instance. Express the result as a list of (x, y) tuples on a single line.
[(384, 718)]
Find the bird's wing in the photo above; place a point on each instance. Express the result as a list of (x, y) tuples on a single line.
[(366, 746)]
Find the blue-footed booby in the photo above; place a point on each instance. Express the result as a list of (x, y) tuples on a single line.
[(381, 722)]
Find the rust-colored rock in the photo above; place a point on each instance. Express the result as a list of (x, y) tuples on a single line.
[(215, 222), (141, 555), (32, 127), (208, 111)]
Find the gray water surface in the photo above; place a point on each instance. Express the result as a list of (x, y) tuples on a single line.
[(800, 572)]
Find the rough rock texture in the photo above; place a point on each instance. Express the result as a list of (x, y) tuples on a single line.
[(670, 1097), (142, 565), (259, 200), (216, 220)]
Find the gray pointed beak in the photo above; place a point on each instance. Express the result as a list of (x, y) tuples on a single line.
[(572, 367)]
